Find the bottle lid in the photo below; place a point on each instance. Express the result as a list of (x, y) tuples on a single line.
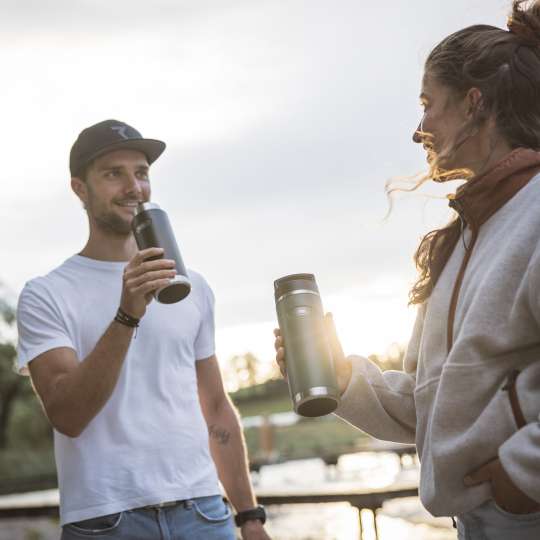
[(294, 282), (142, 206)]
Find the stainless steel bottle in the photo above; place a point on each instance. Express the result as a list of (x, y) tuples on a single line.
[(151, 228), (310, 367)]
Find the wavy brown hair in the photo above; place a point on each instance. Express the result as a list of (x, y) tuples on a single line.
[(505, 67)]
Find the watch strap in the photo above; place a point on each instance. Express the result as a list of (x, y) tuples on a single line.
[(253, 513)]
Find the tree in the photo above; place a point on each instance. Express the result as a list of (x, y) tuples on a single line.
[(246, 368), (11, 384), (393, 359), (17, 399), (26, 445)]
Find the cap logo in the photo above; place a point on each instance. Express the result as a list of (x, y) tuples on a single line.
[(121, 130)]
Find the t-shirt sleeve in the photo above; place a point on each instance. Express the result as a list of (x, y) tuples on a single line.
[(40, 326), (205, 341)]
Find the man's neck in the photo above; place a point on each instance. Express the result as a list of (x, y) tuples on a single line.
[(109, 247)]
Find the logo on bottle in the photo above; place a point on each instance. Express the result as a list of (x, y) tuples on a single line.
[(141, 226), (302, 311)]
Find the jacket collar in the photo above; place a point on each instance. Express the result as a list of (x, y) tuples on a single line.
[(479, 198)]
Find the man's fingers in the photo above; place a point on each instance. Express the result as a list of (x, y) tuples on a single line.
[(148, 266), (150, 252), (144, 254), (149, 276), (480, 476), (150, 286)]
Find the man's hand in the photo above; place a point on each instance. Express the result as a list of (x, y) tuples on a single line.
[(142, 277), (505, 493), (253, 530), (343, 365)]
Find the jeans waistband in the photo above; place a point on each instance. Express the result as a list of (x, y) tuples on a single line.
[(166, 504)]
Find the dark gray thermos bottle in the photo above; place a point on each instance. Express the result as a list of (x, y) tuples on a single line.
[(310, 366), (151, 228)]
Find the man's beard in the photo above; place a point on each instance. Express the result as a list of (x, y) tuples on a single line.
[(108, 221), (111, 223)]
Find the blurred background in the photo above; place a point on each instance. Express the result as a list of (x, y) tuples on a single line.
[(283, 122)]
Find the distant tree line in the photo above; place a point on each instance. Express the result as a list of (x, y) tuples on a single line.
[(26, 440), (25, 434)]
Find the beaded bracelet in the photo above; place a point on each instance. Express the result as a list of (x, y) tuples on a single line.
[(127, 320)]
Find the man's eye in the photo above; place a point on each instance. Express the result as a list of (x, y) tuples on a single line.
[(112, 174)]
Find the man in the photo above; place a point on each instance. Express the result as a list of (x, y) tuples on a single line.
[(132, 387)]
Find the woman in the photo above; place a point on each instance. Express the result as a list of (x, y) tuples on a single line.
[(469, 395)]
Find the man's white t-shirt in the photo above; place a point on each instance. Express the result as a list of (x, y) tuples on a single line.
[(149, 443)]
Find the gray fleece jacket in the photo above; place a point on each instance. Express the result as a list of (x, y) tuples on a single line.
[(451, 403)]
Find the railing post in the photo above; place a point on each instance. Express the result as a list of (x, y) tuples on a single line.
[(375, 523), (375, 528), (359, 509)]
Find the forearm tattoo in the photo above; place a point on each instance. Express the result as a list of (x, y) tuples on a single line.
[(221, 435)]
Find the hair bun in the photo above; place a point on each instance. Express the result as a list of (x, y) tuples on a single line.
[(524, 21)]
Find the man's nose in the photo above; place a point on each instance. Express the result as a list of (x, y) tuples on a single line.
[(133, 185)]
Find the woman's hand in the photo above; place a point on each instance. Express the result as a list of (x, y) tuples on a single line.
[(505, 493), (343, 365)]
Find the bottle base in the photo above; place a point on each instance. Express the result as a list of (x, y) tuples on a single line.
[(177, 289), (317, 401)]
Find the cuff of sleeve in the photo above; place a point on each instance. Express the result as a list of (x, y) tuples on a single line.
[(374, 408), (204, 354), (24, 358), (350, 396), (350, 399), (519, 457)]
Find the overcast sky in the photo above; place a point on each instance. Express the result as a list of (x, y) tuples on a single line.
[(283, 120)]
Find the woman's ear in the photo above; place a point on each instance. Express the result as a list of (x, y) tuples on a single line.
[(79, 187), (475, 102)]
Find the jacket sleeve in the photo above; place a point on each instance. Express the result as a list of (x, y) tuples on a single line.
[(382, 403)]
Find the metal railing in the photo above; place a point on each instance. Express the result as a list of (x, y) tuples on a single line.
[(34, 505)]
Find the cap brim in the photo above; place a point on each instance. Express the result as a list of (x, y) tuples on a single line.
[(151, 148)]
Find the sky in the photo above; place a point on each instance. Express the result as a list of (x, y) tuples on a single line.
[(283, 121)]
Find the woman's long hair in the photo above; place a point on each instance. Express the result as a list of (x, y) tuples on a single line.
[(505, 67)]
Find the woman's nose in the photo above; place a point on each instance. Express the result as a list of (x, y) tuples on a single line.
[(416, 135)]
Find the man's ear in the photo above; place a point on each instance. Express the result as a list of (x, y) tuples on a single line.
[(475, 102), (79, 187)]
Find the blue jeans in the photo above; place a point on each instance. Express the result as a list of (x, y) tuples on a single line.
[(204, 518), (489, 522)]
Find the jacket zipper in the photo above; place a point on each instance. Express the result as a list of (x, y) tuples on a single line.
[(457, 205)]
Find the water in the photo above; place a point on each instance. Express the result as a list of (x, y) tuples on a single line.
[(400, 519), (339, 521)]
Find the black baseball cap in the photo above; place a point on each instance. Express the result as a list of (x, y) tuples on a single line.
[(107, 136)]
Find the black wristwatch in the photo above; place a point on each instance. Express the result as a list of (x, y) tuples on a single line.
[(253, 513)]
